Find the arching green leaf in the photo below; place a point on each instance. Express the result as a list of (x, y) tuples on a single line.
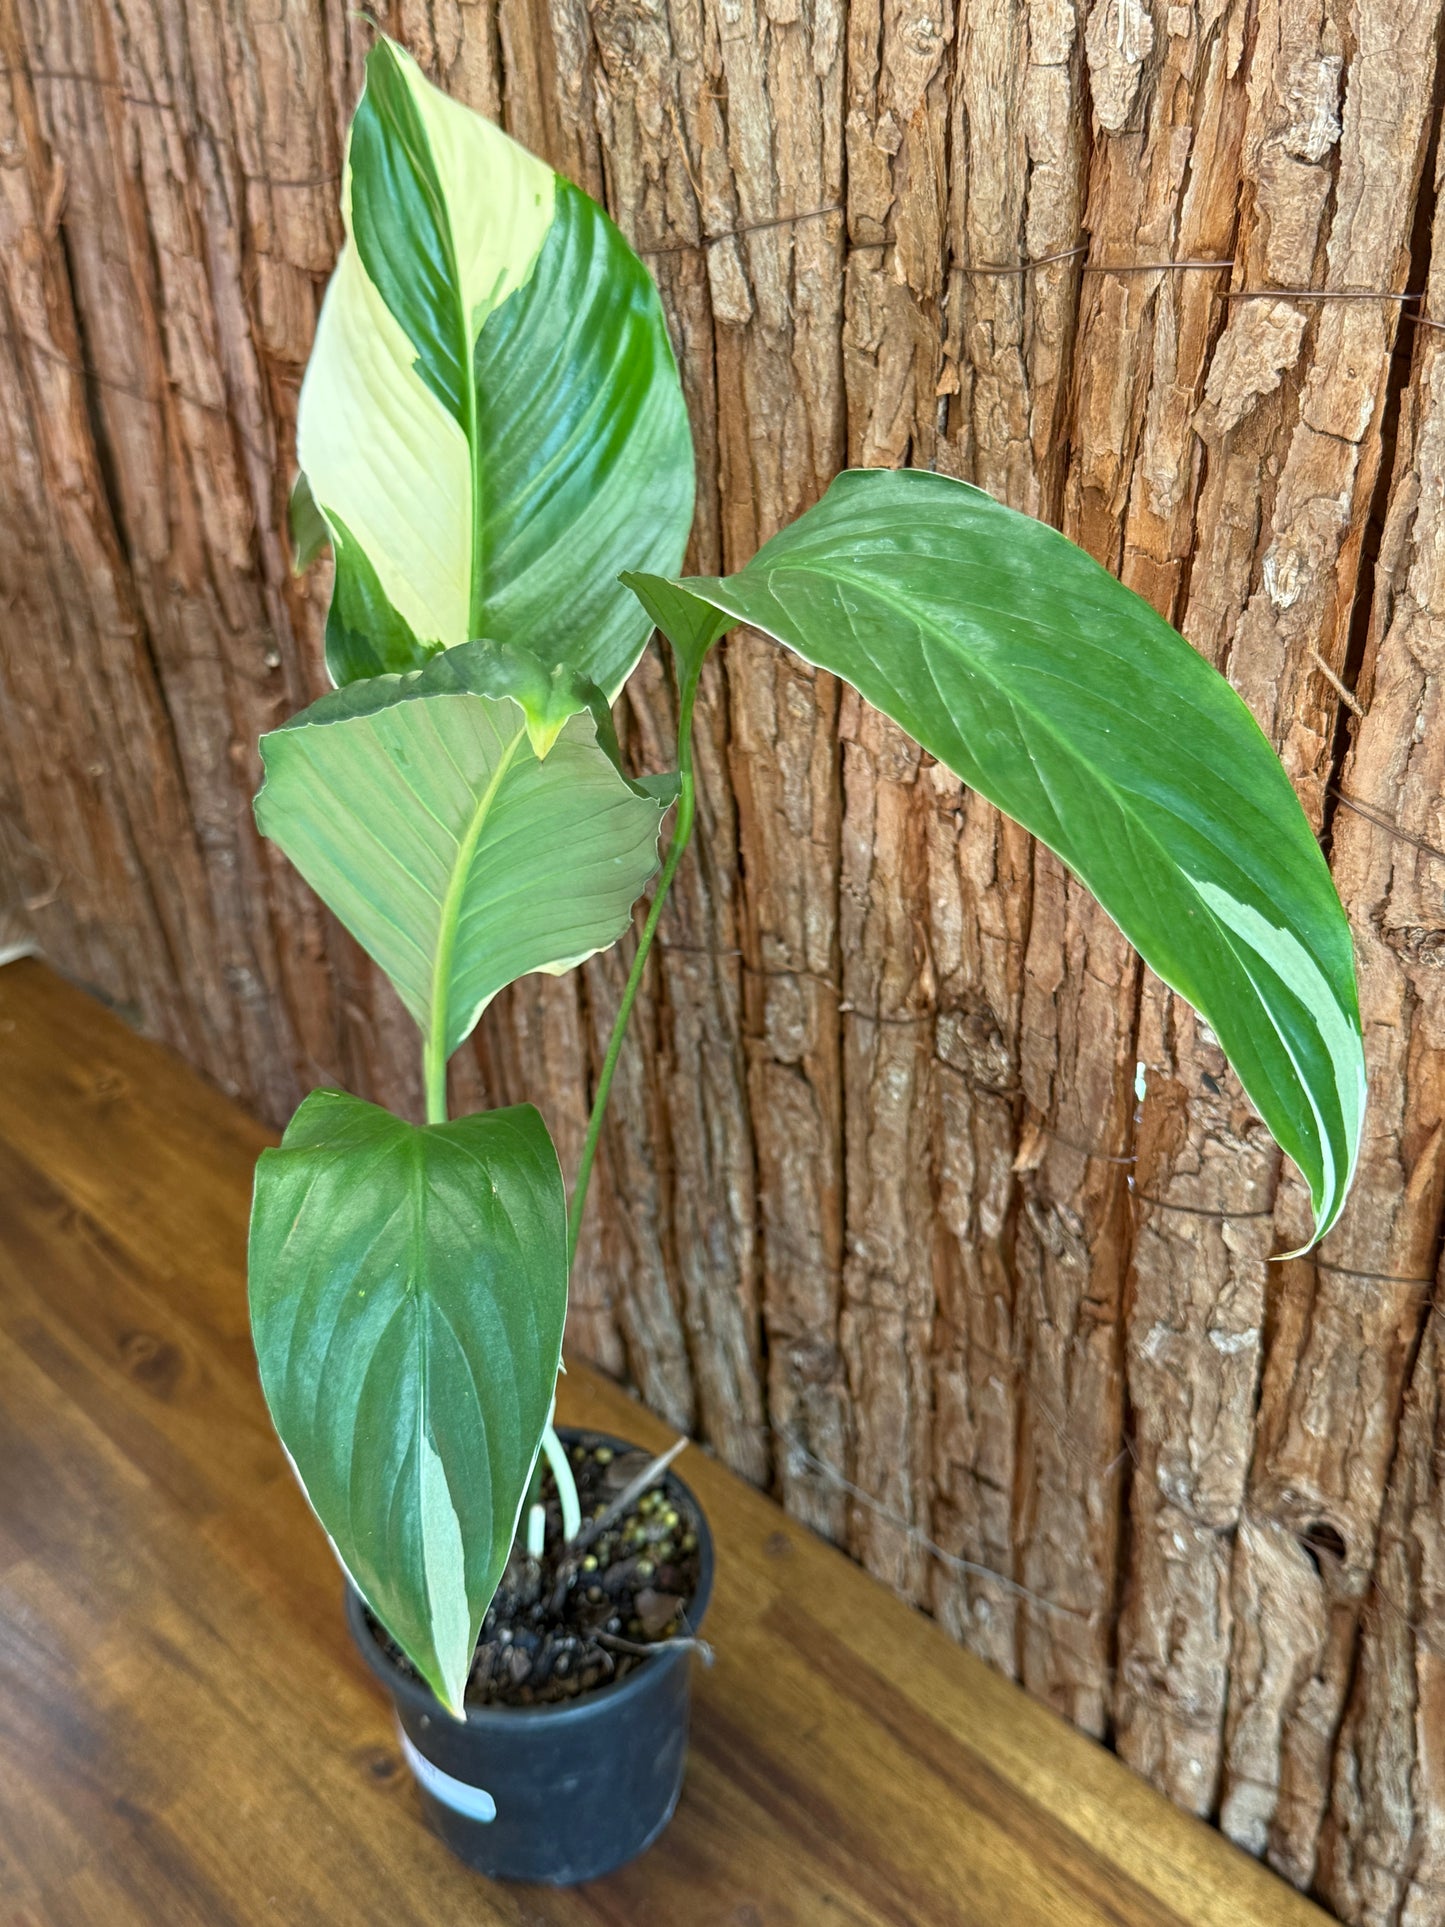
[(1060, 695), (408, 1290), (492, 413), (419, 809)]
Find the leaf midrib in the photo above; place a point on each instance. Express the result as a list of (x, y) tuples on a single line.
[(467, 361), (450, 915), (1020, 705)]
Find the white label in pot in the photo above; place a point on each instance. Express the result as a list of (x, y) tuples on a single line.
[(473, 1802)]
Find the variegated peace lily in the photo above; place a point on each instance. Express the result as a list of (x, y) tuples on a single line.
[(493, 443)]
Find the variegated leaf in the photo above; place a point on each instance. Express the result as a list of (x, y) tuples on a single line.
[(1061, 696), (491, 422)]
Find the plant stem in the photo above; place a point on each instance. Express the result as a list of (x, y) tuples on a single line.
[(681, 837), (434, 1072), (566, 1485)]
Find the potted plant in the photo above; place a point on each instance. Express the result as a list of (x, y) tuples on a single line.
[(493, 442)]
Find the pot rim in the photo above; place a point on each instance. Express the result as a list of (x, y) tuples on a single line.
[(423, 1700)]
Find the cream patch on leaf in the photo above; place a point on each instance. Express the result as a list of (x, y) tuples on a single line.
[(444, 1564), (1287, 957)]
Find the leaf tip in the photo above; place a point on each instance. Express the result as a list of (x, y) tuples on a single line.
[(542, 732), (451, 1698)]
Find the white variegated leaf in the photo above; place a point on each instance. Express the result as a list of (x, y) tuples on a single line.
[(491, 421)]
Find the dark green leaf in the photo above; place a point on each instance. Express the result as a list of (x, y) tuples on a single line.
[(402, 227), (1060, 695), (364, 635), (690, 624), (588, 452), (408, 1289)]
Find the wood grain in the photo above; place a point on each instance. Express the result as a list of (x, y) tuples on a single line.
[(189, 1737)]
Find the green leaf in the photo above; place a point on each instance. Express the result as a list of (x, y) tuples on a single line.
[(666, 787), (691, 625), (408, 1288), (417, 807), (492, 408), (309, 533), (365, 636), (1060, 695)]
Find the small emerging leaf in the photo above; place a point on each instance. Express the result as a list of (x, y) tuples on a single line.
[(547, 697), (408, 1289)]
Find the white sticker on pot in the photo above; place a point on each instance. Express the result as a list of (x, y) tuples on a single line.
[(472, 1802)]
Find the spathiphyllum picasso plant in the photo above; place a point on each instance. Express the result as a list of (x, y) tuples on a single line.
[(493, 444)]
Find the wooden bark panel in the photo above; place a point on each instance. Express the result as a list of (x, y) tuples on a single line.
[(1382, 1852), (881, 1212), (1338, 1344)]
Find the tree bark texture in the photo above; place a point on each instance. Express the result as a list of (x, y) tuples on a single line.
[(919, 1200)]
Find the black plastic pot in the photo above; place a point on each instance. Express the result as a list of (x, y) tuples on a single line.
[(553, 1793)]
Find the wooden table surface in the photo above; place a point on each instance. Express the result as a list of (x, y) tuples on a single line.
[(187, 1737)]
